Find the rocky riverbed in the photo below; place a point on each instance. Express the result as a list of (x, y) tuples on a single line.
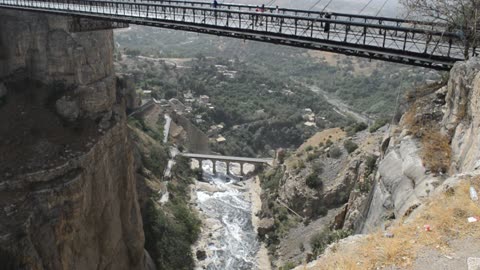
[(227, 207)]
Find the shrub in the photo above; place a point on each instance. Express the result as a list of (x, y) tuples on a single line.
[(335, 152), (350, 146), (301, 165), (313, 181), (370, 163), (156, 160), (166, 237), (321, 240), (329, 143), (311, 157), (317, 168), (357, 127), (288, 266), (309, 148), (378, 124), (360, 127)]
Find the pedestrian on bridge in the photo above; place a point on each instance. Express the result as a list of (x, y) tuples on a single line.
[(215, 4), (262, 10), (326, 28)]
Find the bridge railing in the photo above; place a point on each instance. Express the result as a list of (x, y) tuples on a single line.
[(407, 42), (311, 13), (405, 39)]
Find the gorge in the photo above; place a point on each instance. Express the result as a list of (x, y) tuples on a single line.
[(84, 186)]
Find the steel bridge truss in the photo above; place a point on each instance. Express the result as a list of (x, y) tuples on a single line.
[(80, 24), (393, 40)]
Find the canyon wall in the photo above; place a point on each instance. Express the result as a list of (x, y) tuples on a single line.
[(67, 186), (404, 179)]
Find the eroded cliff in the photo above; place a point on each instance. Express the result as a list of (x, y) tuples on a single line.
[(67, 176)]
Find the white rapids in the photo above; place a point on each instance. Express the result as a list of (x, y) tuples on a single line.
[(231, 237)]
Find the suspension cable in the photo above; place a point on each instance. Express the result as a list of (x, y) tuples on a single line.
[(384, 3), (328, 4), (314, 5), (364, 7)]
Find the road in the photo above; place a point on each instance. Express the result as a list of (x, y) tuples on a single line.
[(340, 106)]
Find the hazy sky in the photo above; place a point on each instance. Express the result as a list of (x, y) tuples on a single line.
[(391, 9)]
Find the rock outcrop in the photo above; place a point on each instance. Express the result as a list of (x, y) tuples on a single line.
[(462, 115), (67, 185), (403, 182)]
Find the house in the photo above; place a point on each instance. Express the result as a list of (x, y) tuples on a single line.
[(204, 99), (220, 139)]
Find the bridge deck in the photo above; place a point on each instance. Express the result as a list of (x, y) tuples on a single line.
[(388, 39), (229, 158)]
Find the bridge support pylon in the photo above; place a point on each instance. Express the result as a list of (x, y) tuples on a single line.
[(228, 168), (241, 169), (214, 167)]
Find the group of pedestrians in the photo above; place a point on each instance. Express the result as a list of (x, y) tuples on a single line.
[(259, 18)]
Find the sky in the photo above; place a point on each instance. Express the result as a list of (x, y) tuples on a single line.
[(391, 9)]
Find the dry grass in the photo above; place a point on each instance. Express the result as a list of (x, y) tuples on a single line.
[(446, 214), (425, 90), (333, 134), (436, 152)]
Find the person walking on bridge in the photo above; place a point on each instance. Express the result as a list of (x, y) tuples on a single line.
[(215, 4), (326, 28), (262, 10)]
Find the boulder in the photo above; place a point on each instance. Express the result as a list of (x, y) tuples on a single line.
[(201, 255), (67, 109)]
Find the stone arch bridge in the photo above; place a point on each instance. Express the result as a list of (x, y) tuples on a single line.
[(228, 159)]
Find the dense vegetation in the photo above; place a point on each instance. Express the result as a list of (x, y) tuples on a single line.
[(262, 106), (172, 229)]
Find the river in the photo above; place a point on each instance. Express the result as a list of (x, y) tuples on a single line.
[(228, 238)]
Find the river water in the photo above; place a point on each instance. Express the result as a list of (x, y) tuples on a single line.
[(228, 238)]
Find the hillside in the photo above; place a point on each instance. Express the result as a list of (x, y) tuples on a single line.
[(425, 167)]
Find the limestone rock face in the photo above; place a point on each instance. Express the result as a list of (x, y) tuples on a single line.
[(126, 87), (42, 48), (402, 182), (81, 215), (68, 109), (67, 190), (462, 115), (3, 90)]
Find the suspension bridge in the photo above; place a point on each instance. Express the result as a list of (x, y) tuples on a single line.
[(396, 40)]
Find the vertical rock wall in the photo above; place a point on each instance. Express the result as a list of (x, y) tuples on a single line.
[(402, 182), (76, 208)]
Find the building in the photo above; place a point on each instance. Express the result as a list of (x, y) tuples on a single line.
[(220, 139), (204, 99)]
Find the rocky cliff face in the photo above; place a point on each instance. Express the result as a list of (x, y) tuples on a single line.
[(67, 188), (404, 179)]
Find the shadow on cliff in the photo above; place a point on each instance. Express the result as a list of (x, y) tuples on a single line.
[(32, 133)]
